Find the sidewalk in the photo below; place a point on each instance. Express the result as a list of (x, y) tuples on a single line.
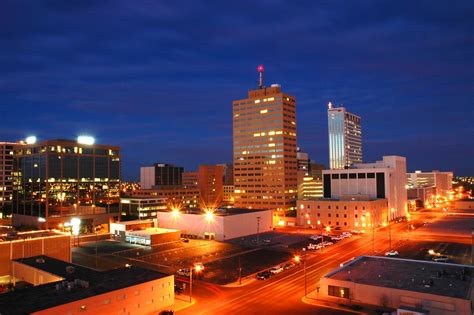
[(181, 302), (313, 298)]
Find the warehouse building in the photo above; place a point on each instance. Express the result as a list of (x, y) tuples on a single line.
[(430, 287)]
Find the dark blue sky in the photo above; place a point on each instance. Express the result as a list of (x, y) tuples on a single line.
[(158, 77)]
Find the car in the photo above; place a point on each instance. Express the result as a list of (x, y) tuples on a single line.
[(185, 272), (264, 275), (346, 234), (440, 258), (267, 240), (167, 312), (336, 238), (327, 243), (312, 246), (185, 240), (289, 265), (277, 269), (315, 237), (392, 253)]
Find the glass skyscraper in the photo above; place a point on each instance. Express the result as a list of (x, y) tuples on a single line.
[(57, 178), (345, 138)]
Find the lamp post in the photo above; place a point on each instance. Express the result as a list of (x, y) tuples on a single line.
[(304, 267)]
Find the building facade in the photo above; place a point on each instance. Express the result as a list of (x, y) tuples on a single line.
[(442, 181), (361, 213), (223, 224), (175, 197), (210, 184), (142, 207), (384, 179), (264, 143), (345, 138), (55, 179), (160, 175), (6, 175), (190, 179)]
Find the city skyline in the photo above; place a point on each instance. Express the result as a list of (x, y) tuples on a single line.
[(401, 68)]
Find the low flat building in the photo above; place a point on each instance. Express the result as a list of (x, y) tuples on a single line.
[(65, 288), (442, 181), (143, 232), (352, 212), (222, 224), (27, 244), (430, 287)]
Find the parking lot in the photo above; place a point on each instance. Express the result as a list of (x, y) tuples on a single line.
[(457, 253)]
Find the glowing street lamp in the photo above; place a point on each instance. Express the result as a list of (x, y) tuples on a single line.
[(297, 258), (209, 215), (328, 228)]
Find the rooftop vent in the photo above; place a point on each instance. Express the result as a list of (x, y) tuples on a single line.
[(39, 260)]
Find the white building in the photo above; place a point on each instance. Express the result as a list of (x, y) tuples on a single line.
[(221, 225), (345, 138), (441, 180), (384, 179)]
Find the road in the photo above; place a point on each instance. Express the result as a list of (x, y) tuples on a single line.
[(282, 294)]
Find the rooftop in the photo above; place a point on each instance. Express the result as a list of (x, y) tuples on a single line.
[(48, 295), (11, 235), (150, 231), (222, 211), (412, 275)]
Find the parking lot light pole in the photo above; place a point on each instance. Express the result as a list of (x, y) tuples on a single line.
[(191, 285), (304, 270)]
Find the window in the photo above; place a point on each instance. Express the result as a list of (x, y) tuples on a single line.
[(337, 222), (337, 207), (356, 215), (345, 215), (356, 207), (307, 207), (345, 223), (343, 176), (345, 208), (329, 207), (370, 175), (361, 175), (363, 208), (335, 176), (318, 207), (337, 215), (319, 214), (352, 175), (338, 291), (329, 215)]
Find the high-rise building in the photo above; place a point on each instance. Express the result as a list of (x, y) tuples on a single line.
[(56, 179), (264, 136), (210, 184), (161, 175), (345, 138), (6, 174)]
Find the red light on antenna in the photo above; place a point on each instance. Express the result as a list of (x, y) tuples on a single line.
[(260, 68)]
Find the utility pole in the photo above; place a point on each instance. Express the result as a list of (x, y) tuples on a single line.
[(191, 285), (304, 268), (258, 230), (240, 272)]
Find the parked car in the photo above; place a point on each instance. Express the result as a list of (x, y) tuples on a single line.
[(441, 258), (185, 240), (185, 272), (336, 238), (277, 269), (392, 253), (289, 265), (167, 312), (312, 246), (263, 275), (328, 243), (315, 237), (346, 234), (267, 240)]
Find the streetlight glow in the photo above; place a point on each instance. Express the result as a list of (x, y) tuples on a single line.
[(30, 140), (86, 140)]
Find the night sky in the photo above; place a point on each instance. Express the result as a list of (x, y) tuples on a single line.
[(158, 77)]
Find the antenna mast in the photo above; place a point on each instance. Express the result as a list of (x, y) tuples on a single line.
[(260, 78)]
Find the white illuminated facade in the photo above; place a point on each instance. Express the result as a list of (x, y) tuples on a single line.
[(384, 179), (345, 138)]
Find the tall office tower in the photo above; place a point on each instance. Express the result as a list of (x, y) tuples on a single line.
[(264, 136), (345, 138), (6, 175), (161, 175), (54, 180)]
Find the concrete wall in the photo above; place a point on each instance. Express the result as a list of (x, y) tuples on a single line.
[(343, 212), (146, 298), (246, 224), (375, 295), (58, 247), (223, 227), (34, 276)]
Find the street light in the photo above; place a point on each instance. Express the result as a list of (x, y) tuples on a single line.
[(198, 267)]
